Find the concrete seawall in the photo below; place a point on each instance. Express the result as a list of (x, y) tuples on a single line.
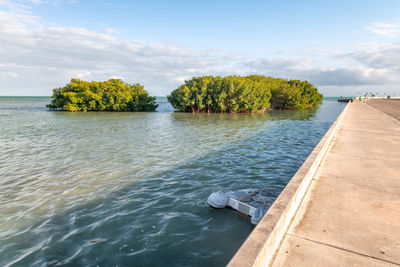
[(344, 196)]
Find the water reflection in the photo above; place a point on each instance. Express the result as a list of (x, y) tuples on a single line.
[(130, 188), (294, 114)]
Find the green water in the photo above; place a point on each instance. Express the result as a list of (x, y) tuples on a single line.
[(130, 189)]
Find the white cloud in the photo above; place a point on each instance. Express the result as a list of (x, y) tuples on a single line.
[(386, 29), (317, 74), (112, 30), (47, 57), (35, 58), (7, 74), (381, 56)]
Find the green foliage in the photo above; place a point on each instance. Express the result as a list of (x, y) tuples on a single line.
[(217, 94), (243, 94), (111, 95), (290, 94)]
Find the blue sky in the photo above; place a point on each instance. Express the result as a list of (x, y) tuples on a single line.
[(250, 26), (343, 47)]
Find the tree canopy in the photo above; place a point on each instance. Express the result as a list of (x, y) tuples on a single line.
[(243, 94), (290, 94), (111, 95)]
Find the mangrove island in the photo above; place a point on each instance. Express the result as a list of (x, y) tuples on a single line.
[(111, 95), (252, 93)]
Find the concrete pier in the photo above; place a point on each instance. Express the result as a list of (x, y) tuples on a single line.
[(342, 208), (388, 106)]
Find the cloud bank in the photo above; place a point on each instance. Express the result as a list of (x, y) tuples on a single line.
[(34, 58)]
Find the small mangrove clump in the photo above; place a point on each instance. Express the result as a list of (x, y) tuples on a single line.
[(243, 94), (111, 95)]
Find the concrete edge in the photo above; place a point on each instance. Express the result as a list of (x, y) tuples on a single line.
[(260, 246)]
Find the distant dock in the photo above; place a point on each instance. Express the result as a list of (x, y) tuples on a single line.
[(344, 99), (342, 207)]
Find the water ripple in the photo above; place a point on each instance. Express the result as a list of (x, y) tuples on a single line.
[(130, 188)]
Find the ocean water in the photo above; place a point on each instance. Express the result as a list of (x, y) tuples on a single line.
[(130, 189)]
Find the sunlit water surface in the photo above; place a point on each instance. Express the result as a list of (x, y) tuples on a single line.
[(130, 189)]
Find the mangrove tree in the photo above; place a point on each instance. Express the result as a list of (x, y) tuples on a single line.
[(111, 95), (243, 94)]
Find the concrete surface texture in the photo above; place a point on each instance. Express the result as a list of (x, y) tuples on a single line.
[(265, 239), (351, 214), (390, 106)]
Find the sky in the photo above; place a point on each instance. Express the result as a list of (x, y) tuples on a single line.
[(344, 48)]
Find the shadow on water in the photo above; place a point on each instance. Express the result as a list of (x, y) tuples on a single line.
[(163, 220)]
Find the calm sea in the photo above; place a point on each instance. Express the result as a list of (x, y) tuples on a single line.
[(130, 189)]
